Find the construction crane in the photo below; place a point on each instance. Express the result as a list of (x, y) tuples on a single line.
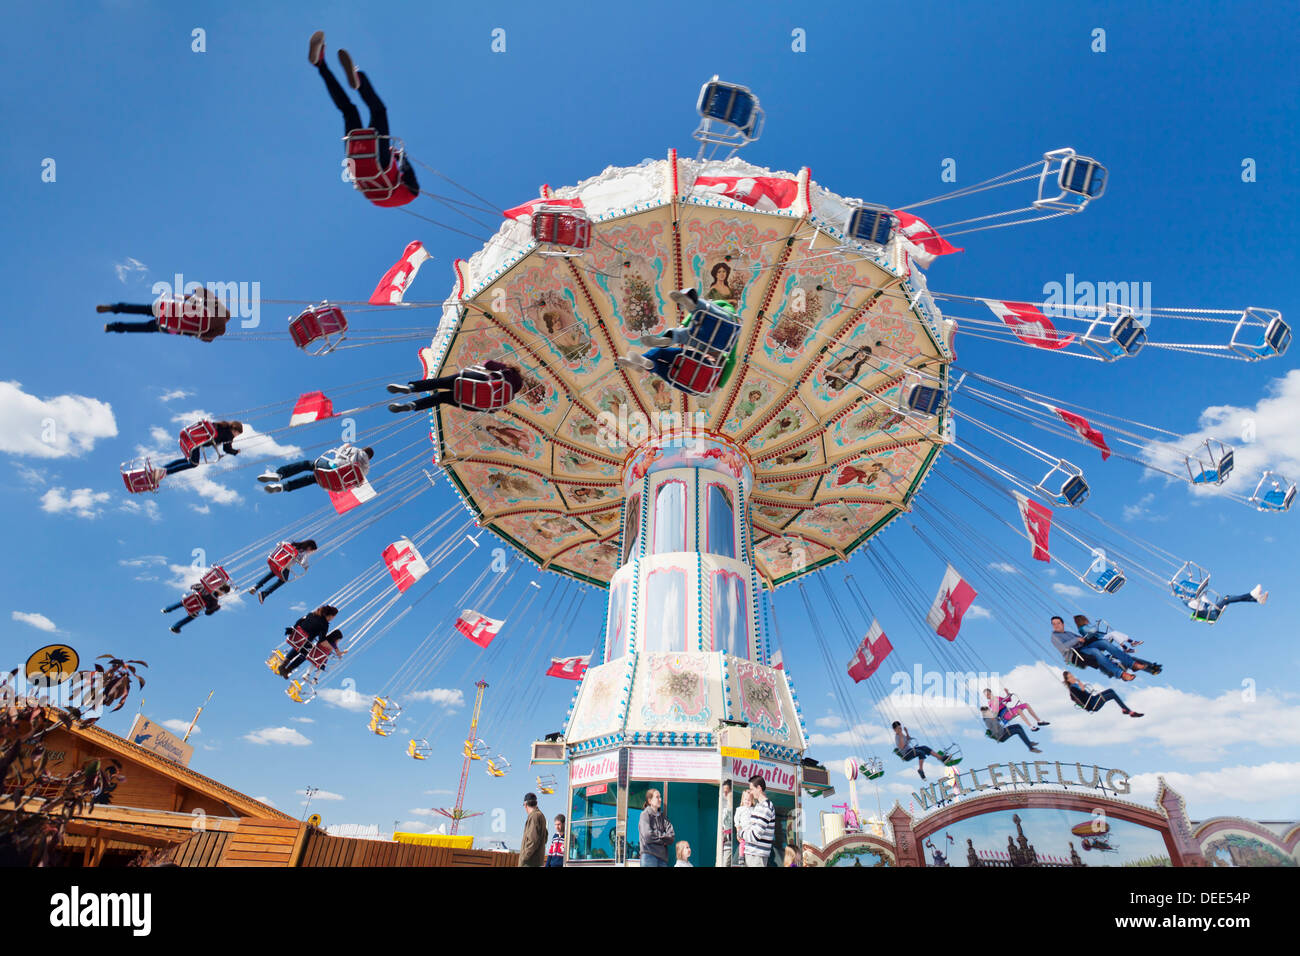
[(472, 753)]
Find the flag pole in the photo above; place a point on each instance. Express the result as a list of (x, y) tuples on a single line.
[(190, 729)]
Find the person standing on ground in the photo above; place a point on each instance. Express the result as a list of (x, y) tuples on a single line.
[(532, 851)]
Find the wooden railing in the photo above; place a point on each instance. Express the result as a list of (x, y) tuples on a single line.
[(320, 849)]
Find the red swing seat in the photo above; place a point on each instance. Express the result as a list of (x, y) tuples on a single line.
[(298, 638), (141, 476), (215, 579), (694, 375), (383, 187), (319, 322), (318, 655), (193, 604), (283, 556), (479, 390), (200, 435), (561, 226), (340, 479), (191, 315)]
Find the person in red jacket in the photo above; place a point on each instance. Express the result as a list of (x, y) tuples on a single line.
[(480, 388), (385, 177)]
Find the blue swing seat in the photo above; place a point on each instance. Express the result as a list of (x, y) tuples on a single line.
[(1073, 488), (870, 224), (1273, 493)]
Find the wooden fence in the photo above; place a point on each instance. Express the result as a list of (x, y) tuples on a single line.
[(320, 849)]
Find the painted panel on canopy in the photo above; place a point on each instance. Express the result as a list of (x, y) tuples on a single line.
[(771, 515), (776, 555), (759, 699), (727, 255), (755, 393), (547, 311), (842, 523), (467, 435), (676, 693), (597, 559), (787, 424), (623, 272), (874, 420), (581, 496), (792, 458), (772, 486), (599, 709), (887, 474), (571, 464), (501, 488), (812, 301), (545, 534)]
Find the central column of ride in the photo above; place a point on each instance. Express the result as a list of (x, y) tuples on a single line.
[(686, 654)]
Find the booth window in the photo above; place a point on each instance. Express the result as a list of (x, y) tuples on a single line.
[(616, 626), (730, 614), (670, 517), (663, 618), (721, 524), (593, 816)]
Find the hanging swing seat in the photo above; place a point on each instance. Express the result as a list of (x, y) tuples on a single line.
[(1273, 493), (275, 661), (1103, 575), (924, 399), (322, 323), (872, 769), (1189, 582), (338, 479), (730, 114), (215, 579), (694, 374), (200, 437), (1115, 334), (498, 766), (301, 691), (419, 748), (1065, 484), (1209, 611), (361, 149), (1214, 466), (870, 224), (140, 476), (191, 315), (1068, 181), (297, 638), (192, 603), (561, 230), (546, 784), (1260, 334), (475, 749), (280, 559)]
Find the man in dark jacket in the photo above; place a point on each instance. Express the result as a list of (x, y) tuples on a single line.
[(482, 388), (532, 851)]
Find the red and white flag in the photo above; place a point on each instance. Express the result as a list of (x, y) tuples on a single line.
[(871, 654), (398, 279), (311, 407), (345, 501), (926, 244), (762, 192), (404, 563), (478, 628), (950, 604), (1030, 324), (528, 208), (1038, 524), (569, 668), (778, 660), (1084, 429), (427, 361)]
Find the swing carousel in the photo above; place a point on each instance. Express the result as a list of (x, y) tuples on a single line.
[(811, 390)]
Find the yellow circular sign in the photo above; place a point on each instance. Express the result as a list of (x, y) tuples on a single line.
[(54, 663), (314, 819)]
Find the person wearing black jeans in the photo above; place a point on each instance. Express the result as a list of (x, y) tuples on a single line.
[(1093, 702), (316, 626), (211, 605), (351, 115), (227, 432), (444, 388), (303, 548)]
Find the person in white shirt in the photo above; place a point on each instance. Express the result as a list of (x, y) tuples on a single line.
[(333, 460), (683, 854)]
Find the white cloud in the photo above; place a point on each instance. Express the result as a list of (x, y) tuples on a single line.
[(277, 735), (303, 720), (29, 476), (202, 509), (321, 795), (1262, 437), (132, 268), (148, 507), (59, 427), (1245, 784), (1005, 567), (83, 502), (1139, 508), (440, 793), (144, 561), (178, 727), (978, 612), (422, 812), (203, 480), (266, 800), (38, 621), (447, 698), (1069, 590), (345, 698), (415, 826), (830, 721), (174, 394), (1177, 723)]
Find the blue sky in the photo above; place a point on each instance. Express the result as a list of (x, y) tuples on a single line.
[(224, 165)]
